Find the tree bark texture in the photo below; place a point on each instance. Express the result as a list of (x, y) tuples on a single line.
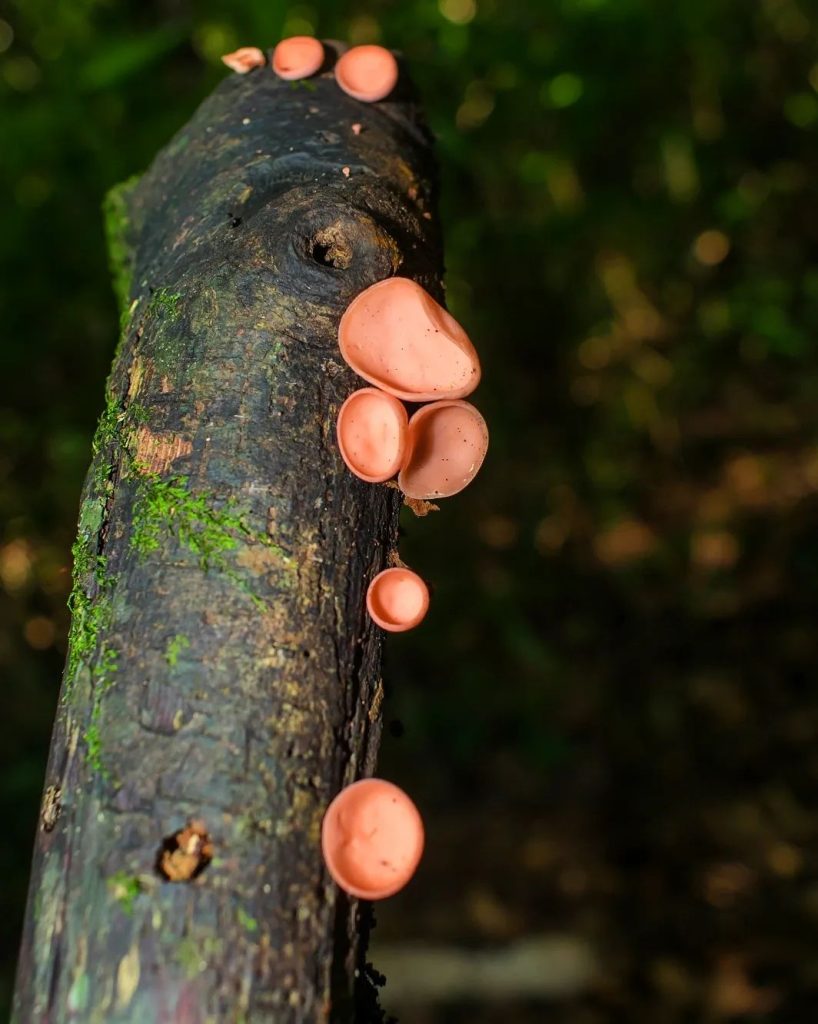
[(223, 678)]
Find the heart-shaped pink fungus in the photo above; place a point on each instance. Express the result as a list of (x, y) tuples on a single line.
[(397, 599), (372, 839), (367, 73), (447, 442), (245, 59), (397, 337), (372, 434), (297, 57)]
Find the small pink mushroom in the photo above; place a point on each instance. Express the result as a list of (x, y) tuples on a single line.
[(372, 839), (372, 434), (447, 442), (297, 57), (367, 73), (245, 59), (397, 337), (397, 599)]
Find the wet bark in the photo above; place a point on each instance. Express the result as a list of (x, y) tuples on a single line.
[(223, 679)]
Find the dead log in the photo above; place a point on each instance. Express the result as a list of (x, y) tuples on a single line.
[(223, 680)]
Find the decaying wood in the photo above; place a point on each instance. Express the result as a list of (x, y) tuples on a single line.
[(222, 682)]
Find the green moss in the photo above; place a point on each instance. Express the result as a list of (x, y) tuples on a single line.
[(246, 921), (137, 414), (176, 645), (77, 999), (89, 601), (107, 434), (165, 301), (103, 680), (90, 606), (195, 956), (125, 888), (166, 509), (120, 250), (166, 343)]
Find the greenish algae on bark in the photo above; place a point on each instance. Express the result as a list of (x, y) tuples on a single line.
[(221, 667)]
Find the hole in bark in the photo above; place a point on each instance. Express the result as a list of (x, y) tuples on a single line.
[(184, 855), (329, 248)]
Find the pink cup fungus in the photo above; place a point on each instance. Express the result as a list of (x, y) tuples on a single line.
[(372, 434), (447, 442), (397, 337), (245, 59), (372, 839), (367, 73), (397, 599), (297, 57)]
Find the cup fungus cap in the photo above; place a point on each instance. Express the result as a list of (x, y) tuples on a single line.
[(244, 59), (372, 839), (372, 434), (397, 337), (367, 73), (298, 57), (397, 599), (447, 442)]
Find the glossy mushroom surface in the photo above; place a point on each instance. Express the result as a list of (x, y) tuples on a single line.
[(447, 442), (372, 839), (397, 337), (397, 599), (371, 432), (367, 73), (245, 59), (298, 57)]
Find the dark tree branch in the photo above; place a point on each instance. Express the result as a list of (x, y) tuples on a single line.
[(222, 681)]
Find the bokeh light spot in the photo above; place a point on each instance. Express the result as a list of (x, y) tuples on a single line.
[(459, 12), (563, 90), (711, 247)]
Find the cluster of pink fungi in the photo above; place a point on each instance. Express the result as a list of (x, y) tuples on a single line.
[(368, 73), (409, 349)]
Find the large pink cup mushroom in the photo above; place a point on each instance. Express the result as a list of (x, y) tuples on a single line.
[(397, 599), (297, 57), (367, 73), (397, 337), (447, 442), (371, 433), (372, 839), (244, 59)]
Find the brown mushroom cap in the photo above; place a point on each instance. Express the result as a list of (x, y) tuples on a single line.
[(397, 337), (447, 442)]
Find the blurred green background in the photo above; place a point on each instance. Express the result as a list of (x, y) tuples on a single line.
[(610, 719)]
